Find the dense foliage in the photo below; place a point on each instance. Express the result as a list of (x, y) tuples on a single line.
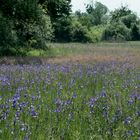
[(119, 25), (124, 25), (24, 24), (116, 31), (33, 23)]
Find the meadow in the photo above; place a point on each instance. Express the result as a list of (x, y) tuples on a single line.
[(77, 92)]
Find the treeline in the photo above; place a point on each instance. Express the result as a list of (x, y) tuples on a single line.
[(34, 23), (99, 24)]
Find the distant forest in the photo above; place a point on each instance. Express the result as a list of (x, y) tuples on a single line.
[(34, 23)]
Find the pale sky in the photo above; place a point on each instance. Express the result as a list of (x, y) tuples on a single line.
[(134, 5)]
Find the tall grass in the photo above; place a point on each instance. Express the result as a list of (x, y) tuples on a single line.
[(73, 49)]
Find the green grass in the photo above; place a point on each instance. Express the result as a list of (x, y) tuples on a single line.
[(73, 49), (68, 49)]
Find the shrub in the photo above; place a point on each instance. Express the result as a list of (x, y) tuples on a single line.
[(80, 33), (129, 20), (96, 32), (135, 32), (116, 32), (12, 51)]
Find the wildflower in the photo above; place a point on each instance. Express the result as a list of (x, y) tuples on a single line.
[(92, 102), (4, 115), (129, 133), (103, 93), (14, 104), (134, 96), (127, 121), (33, 98), (17, 115), (58, 102), (23, 127), (57, 110), (26, 138), (68, 102), (74, 95), (34, 114), (130, 101)]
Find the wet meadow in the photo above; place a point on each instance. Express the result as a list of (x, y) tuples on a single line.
[(91, 98)]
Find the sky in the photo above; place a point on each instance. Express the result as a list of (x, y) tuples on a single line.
[(134, 5)]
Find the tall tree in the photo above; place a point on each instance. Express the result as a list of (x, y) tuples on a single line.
[(119, 13), (129, 20), (58, 8), (59, 11), (29, 22), (19, 9), (98, 12)]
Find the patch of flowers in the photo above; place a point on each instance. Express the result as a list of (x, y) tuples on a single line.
[(69, 101)]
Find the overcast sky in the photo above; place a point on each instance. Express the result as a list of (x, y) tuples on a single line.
[(111, 4)]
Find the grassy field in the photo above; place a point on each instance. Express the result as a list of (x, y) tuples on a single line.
[(79, 92), (80, 53), (68, 49)]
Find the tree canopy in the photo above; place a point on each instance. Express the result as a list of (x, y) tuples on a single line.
[(34, 23), (98, 12)]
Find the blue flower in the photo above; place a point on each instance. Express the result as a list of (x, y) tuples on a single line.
[(127, 121), (4, 115), (34, 114), (103, 93), (58, 110), (74, 95), (92, 102)]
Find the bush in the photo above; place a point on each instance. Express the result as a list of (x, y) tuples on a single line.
[(116, 32), (129, 20), (12, 51), (79, 33), (135, 32), (95, 33)]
